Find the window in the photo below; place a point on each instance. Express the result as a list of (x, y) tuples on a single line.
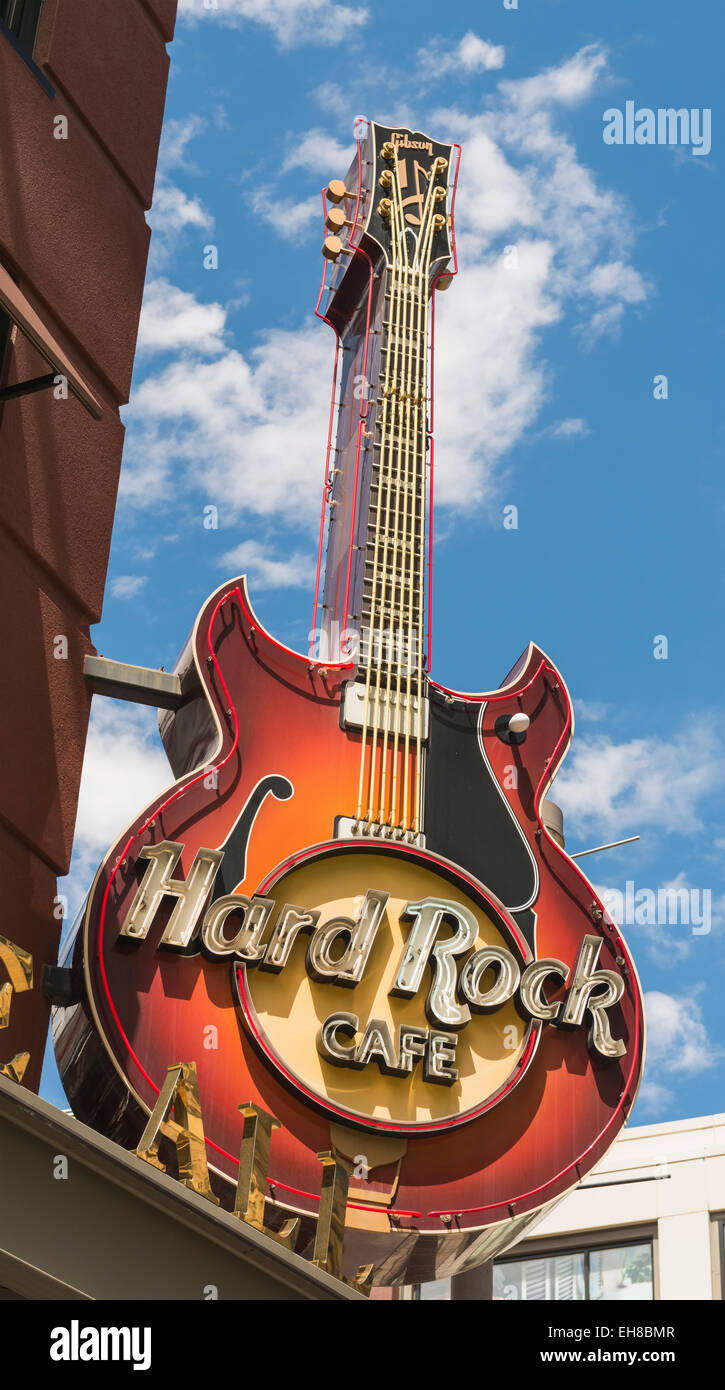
[(602, 1273), (438, 1289), (21, 18)]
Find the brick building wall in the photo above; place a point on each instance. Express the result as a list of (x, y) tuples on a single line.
[(74, 240)]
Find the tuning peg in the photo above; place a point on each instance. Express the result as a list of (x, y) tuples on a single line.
[(336, 220), (336, 191), (332, 247), (444, 282)]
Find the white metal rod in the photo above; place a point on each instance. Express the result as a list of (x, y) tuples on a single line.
[(598, 848)]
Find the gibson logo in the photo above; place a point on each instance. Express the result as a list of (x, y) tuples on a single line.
[(401, 140), (441, 936)]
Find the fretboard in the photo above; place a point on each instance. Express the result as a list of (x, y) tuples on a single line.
[(393, 590)]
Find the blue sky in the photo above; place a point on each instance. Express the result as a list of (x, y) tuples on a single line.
[(544, 400)]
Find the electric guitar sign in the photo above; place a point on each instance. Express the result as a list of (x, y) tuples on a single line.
[(349, 910)]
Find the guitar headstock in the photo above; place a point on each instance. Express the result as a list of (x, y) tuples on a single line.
[(395, 206)]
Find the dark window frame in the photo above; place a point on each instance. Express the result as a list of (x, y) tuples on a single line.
[(22, 18), (720, 1219), (587, 1249), (27, 30), (6, 330)]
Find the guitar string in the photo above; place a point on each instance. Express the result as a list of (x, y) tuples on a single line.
[(401, 543), (384, 645), (384, 475), (398, 579), (390, 710), (403, 287), (411, 482), (421, 584), (415, 639), (394, 305)]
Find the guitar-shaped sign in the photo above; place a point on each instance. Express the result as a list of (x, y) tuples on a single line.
[(353, 907)]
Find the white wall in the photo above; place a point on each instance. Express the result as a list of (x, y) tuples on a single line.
[(684, 1164)]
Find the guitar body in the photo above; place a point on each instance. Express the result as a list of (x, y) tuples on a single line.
[(269, 721)]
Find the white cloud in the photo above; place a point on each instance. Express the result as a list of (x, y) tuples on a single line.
[(570, 429), (292, 22), (127, 585), (320, 153), (678, 1047), (334, 100), (654, 1099), (489, 387), (616, 280), (173, 212), (250, 431), (618, 789), (175, 136), (123, 769), (677, 1039), (268, 571), (173, 320), (590, 710), (521, 184), (472, 54), (566, 85), (290, 217), (606, 323)]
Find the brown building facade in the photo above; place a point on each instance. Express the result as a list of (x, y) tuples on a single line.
[(82, 90)]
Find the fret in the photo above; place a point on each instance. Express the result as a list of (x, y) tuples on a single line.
[(397, 592), (392, 431), (387, 534), (400, 575), (413, 490), (390, 424), (404, 292), (410, 543), (392, 477), (386, 645), (391, 582), (408, 338), (410, 547), (391, 615)]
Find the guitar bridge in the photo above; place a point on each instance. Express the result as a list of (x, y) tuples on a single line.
[(348, 828)]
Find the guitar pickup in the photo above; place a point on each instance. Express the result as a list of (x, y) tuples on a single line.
[(384, 711)]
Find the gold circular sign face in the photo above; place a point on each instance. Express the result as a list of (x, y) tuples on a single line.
[(457, 1071)]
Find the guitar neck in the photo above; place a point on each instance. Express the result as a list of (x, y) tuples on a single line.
[(375, 590), (393, 240)]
